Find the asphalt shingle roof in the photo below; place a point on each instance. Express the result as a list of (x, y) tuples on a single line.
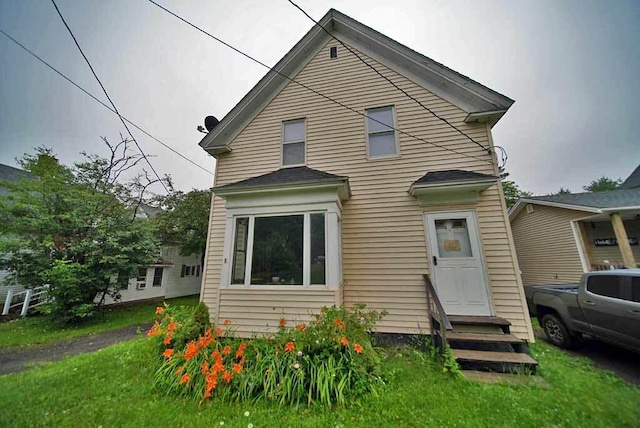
[(284, 176), (633, 180), (451, 175), (11, 174), (610, 199)]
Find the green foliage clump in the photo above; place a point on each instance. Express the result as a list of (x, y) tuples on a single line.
[(327, 360), (75, 230)]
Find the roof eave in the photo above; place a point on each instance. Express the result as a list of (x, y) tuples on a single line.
[(520, 203), (490, 117), (471, 185), (341, 185)]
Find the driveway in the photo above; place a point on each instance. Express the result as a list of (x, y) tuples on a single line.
[(620, 361), (13, 360)]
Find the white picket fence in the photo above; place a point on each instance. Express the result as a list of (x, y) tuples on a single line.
[(26, 299)]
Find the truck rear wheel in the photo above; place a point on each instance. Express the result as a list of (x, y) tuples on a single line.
[(556, 331)]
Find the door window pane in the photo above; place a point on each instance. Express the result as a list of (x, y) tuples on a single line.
[(157, 277), (606, 285), (293, 154), (453, 238), (277, 250), (317, 249), (240, 250)]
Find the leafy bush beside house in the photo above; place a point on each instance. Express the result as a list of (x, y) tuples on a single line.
[(75, 229)]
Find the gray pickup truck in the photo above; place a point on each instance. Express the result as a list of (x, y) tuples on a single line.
[(604, 305)]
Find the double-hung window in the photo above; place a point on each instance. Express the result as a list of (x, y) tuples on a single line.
[(293, 142), (381, 134), (280, 250)]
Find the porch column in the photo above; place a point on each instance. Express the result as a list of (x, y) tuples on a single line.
[(623, 240), (584, 241)]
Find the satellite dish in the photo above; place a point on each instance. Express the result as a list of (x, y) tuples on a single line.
[(210, 122)]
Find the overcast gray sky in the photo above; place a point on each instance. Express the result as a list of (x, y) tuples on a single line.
[(573, 68)]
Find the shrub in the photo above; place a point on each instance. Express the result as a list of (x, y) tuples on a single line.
[(327, 360)]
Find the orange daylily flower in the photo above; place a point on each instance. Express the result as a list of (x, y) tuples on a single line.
[(282, 322), (344, 341), (226, 350), (179, 371), (218, 367), (341, 324), (168, 353), (240, 351), (219, 331), (204, 368), (300, 327), (192, 351), (155, 330), (237, 368), (159, 310), (227, 376), (185, 379), (216, 354), (167, 339), (227, 322), (171, 327), (357, 348), (290, 347)]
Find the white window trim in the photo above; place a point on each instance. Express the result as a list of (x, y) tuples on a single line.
[(395, 133), (283, 143), (306, 251)]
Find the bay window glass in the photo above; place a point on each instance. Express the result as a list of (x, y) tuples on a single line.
[(317, 249), (240, 250), (277, 250), (286, 250)]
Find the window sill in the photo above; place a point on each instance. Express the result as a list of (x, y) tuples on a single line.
[(314, 287), (381, 158)]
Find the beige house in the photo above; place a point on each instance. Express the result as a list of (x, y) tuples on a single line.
[(354, 194), (559, 237)]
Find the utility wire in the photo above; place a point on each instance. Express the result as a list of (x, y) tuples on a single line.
[(108, 97), (100, 101), (313, 90), (386, 78)]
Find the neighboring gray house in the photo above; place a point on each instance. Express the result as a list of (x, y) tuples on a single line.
[(558, 237), (10, 174)]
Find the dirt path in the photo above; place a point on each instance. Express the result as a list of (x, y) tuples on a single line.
[(14, 360)]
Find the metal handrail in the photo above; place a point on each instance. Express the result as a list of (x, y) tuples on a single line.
[(436, 313), (32, 297)]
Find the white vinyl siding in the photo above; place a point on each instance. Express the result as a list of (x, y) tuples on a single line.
[(546, 246), (384, 251)]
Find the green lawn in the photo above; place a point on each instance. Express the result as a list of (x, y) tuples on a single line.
[(37, 330), (112, 388)]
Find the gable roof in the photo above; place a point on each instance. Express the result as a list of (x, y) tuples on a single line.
[(11, 174), (452, 175), (633, 180), (284, 176), (482, 103), (595, 202)]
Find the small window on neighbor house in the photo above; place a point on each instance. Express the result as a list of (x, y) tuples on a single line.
[(141, 279), (333, 52), (381, 135), (198, 270), (157, 277), (529, 209), (293, 142), (183, 271)]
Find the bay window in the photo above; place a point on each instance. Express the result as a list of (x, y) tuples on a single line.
[(285, 250)]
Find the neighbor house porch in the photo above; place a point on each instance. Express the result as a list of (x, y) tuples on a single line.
[(609, 241)]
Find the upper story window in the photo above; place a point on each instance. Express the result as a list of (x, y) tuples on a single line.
[(381, 135), (293, 142)]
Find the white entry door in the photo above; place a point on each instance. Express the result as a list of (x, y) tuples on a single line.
[(456, 263)]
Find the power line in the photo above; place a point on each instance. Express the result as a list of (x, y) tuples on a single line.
[(313, 90), (100, 101), (108, 97), (387, 79)]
